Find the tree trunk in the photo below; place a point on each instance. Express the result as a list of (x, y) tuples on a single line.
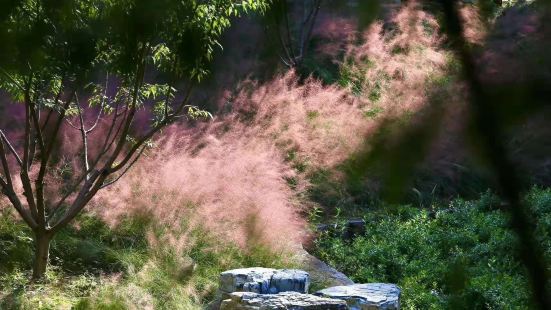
[(41, 255)]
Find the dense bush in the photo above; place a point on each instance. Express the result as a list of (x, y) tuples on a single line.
[(460, 256)]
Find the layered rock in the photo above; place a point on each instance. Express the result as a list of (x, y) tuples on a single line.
[(285, 300), (372, 296), (290, 280), (264, 280), (267, 288)]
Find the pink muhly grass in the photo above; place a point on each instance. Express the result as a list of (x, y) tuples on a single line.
[(217, 187)]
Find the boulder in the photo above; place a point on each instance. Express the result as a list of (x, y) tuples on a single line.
[(290, 280), (354, 228), (370, 296), (347, 230), (255, 280), (264, 280), (321, 272), (285, 300)]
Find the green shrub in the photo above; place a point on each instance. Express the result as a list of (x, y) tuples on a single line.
[(460, 256)]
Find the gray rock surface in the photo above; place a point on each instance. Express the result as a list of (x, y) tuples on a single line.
[(290, 280), (320, 271), (370, 296), (285, 300), (264, 280)]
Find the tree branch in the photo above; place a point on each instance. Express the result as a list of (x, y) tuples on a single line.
[(288, 28), (108, 142), (79, 203), (12, 197), (304, 43), (45, 157), (281, 38), (132, 110), (11, 148), (5, 165), (71, 191), (7, 185), (97, 177), (25, 180), (101, 105), (125, 169), (84, 136), (172, 117), (36, 124), (56, 102)]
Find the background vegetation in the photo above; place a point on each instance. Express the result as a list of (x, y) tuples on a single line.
[(459, 255), (130, 266), (288, 149)]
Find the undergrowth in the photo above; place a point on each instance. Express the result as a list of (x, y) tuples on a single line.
[(94, 266), (459, 256)]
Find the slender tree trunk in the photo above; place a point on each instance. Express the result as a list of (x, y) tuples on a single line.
[(41, 255)]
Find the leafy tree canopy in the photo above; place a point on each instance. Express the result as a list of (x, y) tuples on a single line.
[(54, 51)]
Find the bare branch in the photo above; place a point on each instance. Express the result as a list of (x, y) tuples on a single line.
[(84, 196), (36, 121), (96, 122), (169, 89), (304, 43), (25, 180), (12, 197), (132, 110), (3, 183), (125, 169), (108, 142), (185, 101), (11, 148), (84, 136), (303, 26), (101, 105), (172, 117), (288, 28), (96, 179), (5, 165), (282, 42), (285, 62), (71, 191), (45, 157), (56, 101), (71, 124)]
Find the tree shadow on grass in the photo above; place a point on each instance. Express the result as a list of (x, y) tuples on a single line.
[(88, 249)]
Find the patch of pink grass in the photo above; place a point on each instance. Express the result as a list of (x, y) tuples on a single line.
[(218, 187)]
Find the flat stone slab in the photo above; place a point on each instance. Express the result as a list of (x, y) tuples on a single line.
[(285, 300), (370, 296), (264, 280)]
